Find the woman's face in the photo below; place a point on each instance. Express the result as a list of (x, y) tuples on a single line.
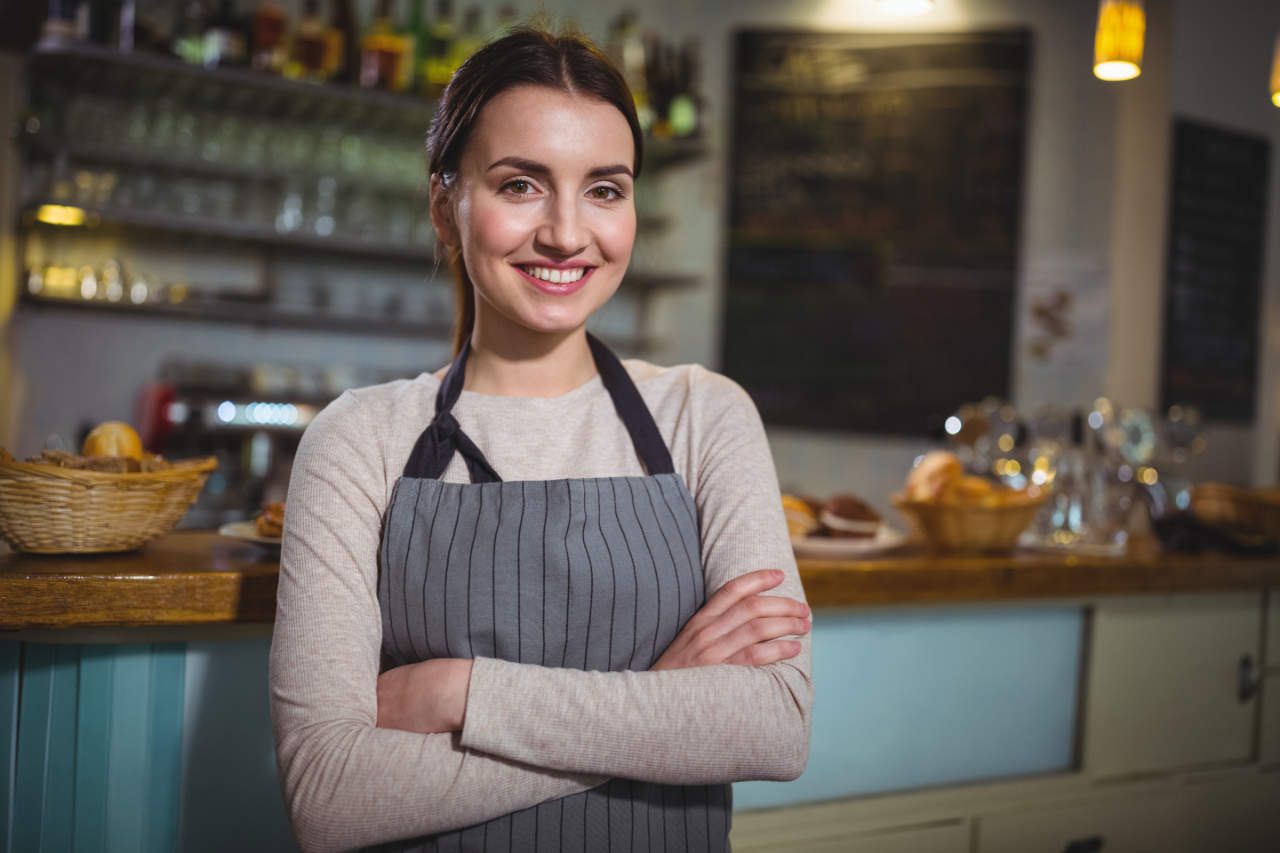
[(543, 208)]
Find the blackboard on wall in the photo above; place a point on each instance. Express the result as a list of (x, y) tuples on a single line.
[(875, 200), (1218, 204)]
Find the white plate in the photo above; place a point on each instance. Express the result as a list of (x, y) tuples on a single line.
[(245, 531), (831, 548)]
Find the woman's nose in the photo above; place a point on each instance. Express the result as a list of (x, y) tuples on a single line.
[(562, 230)]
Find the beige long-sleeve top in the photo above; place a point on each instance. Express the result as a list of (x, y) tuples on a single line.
[(531, 733)]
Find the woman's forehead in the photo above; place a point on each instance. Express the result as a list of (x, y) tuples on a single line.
[(562, 130)]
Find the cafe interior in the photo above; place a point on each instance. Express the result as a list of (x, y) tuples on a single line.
[(1002, 278)]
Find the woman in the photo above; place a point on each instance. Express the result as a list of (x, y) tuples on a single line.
[(548, 629)]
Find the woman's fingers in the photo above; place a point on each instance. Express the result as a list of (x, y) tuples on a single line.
[(749, 610), (754, 633), (752, 583), (766, 653)]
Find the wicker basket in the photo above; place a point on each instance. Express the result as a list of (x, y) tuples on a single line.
[(971, 528), (45, 509)]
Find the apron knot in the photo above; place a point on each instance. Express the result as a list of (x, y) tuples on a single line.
[(446, 427), (436, 446)]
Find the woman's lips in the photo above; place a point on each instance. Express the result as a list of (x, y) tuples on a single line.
[(572, 279)]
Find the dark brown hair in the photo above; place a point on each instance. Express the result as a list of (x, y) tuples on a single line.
[(526, 56)]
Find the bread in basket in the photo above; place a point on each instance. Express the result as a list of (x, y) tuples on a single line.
[(48, 509)]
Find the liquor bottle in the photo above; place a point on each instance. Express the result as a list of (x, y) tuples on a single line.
[(188, 31), (627, 50), (60, 25), (469, 39), (309, 50), (381, 52), (270, 26), (506, 22), (416, 45), (342, 63), (440, 49), (224, 42), (685, 112)]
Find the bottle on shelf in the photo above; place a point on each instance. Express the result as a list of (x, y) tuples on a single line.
[(507, 20), (310, 47), (627, 50), (382, 52), (469, 38), (342, 63), (270, 30), (188, 31), (60, 25), (440, 49), (224, 41), (685, 111)]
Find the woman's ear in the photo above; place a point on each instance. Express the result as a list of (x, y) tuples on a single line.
[(442, 212)]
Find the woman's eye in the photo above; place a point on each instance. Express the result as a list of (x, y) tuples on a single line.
[(605, 193), (518, 187)]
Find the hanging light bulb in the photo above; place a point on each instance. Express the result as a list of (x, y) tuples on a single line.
[(1275, 74), (1117, 46)]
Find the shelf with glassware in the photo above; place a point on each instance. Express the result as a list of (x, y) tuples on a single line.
[(381, 321), (239, 159)]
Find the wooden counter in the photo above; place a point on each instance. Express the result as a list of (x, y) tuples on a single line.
[(192, 578), (185, 578)]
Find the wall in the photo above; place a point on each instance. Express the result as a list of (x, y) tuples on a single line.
[(1076, 144)]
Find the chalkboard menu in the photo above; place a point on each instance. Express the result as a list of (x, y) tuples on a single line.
[(1218, 209), (875, 197)]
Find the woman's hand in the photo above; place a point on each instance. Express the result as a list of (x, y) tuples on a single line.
[(425, 697), (738, 625)]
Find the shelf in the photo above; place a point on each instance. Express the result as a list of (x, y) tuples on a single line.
[(78, 153), (348, 246), (247, 314), (262, 315), (81, 68), (226, 229)]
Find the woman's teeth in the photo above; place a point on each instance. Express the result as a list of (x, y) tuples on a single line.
[(567, 276)]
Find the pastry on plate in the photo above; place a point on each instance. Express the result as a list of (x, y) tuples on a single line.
[(271, 522), (849, 517), (802, 519)]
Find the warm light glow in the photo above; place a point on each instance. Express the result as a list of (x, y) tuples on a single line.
[(1148, 476), (905, 7), (1275, 74), (1005, 442), (1117, 44), (60, 214)]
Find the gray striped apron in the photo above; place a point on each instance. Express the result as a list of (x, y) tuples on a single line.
[(592, 574)]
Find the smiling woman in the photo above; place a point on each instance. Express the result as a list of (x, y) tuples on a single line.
[(581, 652), (541, 211)]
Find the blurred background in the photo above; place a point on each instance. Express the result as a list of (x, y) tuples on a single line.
[(1042, 234), (215, 221)]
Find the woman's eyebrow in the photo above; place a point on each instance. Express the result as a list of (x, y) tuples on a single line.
[(536, 168)]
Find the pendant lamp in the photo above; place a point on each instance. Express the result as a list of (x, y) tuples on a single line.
[(1275, 74), (904, 8), (1117, 46)]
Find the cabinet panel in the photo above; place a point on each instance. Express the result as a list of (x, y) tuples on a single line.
[(1273, 630), (1162, 682), (948, 837), (1133, 825), (1238, 815), (1269, 748)]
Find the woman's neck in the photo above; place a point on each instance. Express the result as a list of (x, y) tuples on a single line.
[(518, 362)]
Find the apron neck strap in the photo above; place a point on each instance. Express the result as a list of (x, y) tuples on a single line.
[(630, 406), (443, 436)]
